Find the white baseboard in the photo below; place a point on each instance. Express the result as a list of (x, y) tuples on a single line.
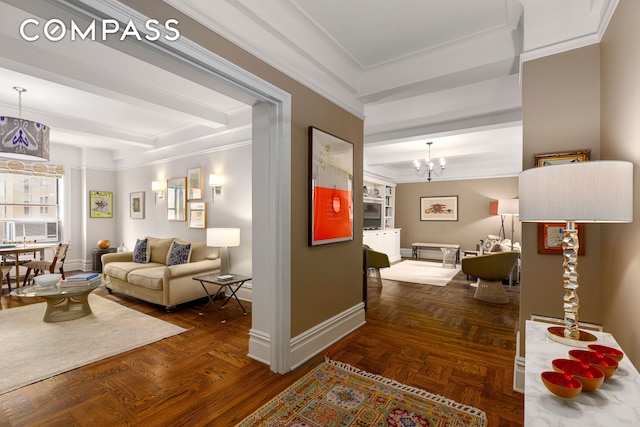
[(260, 346), (518, 368), (316, 339)]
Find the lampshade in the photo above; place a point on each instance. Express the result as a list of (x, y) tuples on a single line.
[(600, 191), (23, 139), (156, 186), (508, 207), (223, 237)]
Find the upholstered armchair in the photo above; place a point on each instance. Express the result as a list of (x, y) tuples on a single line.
[(491, 269)]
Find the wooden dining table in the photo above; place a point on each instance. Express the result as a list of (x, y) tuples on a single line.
[(17, 249)]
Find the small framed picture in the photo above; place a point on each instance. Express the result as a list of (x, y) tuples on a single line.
[(194, 183), (136, 205), (550, 237), (197, 215), (550, 159), (100, 204)]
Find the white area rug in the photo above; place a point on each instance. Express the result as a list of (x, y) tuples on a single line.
[(423, 272), (32, 350)]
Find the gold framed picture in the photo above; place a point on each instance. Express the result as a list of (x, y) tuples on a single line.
[(560, 158), (195, 183), (197, 215)]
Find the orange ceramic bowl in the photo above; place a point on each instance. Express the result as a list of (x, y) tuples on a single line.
[(607, 365), (591, 378), (561, 384), (611, 352)]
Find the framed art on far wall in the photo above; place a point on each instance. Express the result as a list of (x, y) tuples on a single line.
[(100, 204), (136, 205), (441, 208), (197, 215), (331, 188)]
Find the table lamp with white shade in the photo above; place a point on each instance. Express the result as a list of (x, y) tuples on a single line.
[(223, 238), (586, 192)]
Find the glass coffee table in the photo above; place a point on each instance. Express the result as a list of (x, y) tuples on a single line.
[(64, 302)]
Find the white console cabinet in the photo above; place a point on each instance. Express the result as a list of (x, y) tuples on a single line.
[(386, 241)]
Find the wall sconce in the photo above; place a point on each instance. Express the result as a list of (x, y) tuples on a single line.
[(156, 187), (215, 182)]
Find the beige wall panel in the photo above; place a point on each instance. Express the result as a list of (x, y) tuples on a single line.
[(620, 68), (561, 112)]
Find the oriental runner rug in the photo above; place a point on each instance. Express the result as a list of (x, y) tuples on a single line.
[(337, 394)]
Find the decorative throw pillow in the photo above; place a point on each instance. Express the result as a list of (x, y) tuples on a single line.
[(179, 253), (141, 252)]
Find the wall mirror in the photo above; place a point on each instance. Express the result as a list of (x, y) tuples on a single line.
[(177, 199)]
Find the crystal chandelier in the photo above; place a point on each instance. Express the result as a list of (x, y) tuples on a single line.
[(428, 167), (22, 139)]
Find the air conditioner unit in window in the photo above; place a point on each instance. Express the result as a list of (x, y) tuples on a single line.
[(40, 231)]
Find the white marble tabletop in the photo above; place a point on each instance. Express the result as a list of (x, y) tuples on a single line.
[(615, 403)]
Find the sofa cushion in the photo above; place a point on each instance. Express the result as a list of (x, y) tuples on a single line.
[(121, 270), (179, 253), (141, 252), (200, 252), (159, 248), (150, 278)]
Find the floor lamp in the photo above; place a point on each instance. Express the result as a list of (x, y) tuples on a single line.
[(509, 207), (586, 192), (223, 238)]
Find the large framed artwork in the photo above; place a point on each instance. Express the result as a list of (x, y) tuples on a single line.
[(550, 234), (194, 183), (331, 188), (100, 204), (136, 205), (440, 208)]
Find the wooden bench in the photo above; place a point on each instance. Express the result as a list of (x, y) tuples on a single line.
[(421, 245)]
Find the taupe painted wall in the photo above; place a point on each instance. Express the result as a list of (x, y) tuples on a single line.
[(620, 133), (474, 221), (318, 274), (561, 112)]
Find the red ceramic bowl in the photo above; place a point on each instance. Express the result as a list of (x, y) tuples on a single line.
[(591, 378), (611, 352), (561, 384), (606, 364)]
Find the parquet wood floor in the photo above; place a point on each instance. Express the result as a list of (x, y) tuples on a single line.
[(436, 338)]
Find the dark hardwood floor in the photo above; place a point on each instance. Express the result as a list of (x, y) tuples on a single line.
[(439, 339)]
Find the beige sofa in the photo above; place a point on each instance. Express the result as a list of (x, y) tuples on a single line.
[(154, 281)]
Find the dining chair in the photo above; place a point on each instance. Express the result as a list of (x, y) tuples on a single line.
[(5, 270), (57, 263)]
